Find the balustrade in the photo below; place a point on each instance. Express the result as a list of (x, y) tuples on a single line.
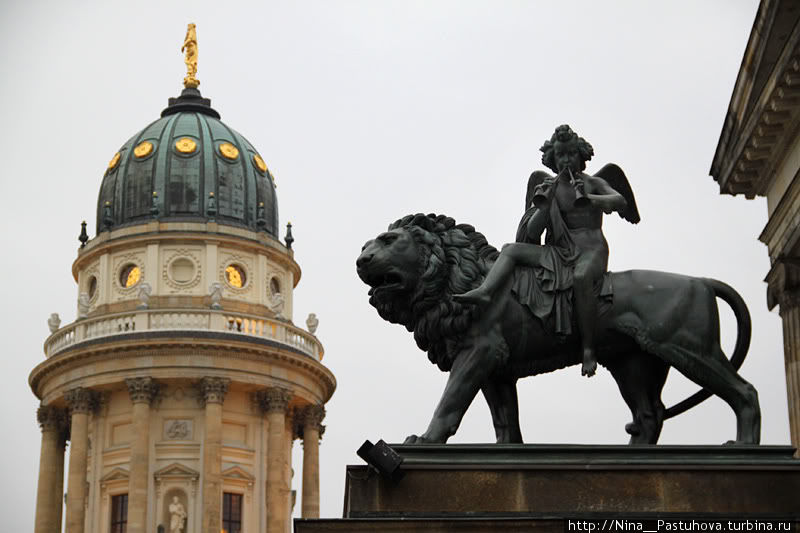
[(152, 320)]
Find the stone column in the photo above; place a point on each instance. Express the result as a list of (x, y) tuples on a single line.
[(142, 392), (213, 395), (275, 402), (51, 482), (790, 314), (311, 419), (58, 486), (81, 402)]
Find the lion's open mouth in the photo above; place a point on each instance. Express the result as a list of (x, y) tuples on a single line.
[(383, 282)]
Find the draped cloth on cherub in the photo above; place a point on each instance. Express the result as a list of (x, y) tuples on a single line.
[(546, 289)]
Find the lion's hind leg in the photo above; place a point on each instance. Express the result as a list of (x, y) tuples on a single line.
[(640, 377), (501, 395), (715, 373)]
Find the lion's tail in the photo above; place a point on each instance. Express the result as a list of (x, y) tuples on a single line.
[(743, 333)]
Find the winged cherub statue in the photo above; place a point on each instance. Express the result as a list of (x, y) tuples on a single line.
[(570, 268)]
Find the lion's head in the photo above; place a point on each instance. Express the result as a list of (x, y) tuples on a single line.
[(413, 270)]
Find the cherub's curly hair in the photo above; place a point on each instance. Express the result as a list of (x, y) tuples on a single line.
[(454, 258), (564, 134)]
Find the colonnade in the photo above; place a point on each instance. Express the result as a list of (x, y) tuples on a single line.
[(72, 423)]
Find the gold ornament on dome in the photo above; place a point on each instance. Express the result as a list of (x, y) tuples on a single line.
[(185, 145), (228, 151), (259, 163), (190, 48), (114, 161), (143, 149)]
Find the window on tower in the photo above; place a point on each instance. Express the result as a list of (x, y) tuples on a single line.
[(231, 513), (119, 513), (129, 275), (235, 276)]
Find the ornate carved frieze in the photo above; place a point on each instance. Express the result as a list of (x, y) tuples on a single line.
[(51, 418), (213, 390), (275, 399), (183, 269), (81, 400), (142, 390), (178, 429)]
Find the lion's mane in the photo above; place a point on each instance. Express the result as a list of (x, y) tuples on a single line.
[(454, 258)]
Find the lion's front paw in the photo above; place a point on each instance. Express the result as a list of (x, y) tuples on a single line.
[(414, 439)]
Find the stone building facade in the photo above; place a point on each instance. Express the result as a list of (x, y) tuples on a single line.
[(759, 155), (184, 383)]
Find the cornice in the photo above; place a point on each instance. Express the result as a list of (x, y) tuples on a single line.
[(759, 142), (169, 344)]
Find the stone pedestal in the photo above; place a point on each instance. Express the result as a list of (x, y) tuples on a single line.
[(497, 487)]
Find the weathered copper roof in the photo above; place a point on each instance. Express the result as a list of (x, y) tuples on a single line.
[(184, 157)]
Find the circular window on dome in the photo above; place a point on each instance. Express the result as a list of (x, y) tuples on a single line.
[(182, 270), (129, 276), (235, 276), (92, 287)]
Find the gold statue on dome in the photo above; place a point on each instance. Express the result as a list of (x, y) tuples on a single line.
[(190, 47)]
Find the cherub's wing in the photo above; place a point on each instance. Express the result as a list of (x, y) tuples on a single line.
[(536, 178), (616, 178)]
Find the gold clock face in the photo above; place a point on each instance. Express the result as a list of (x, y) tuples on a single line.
[(259, 163), (114, 162), (143, 149), (228, 151), (185, 145)]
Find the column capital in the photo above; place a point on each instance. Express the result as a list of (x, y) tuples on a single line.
[(142, 390), (312, 416), (308, 417), (275, 399), (81, 400), (51, 418), (788, 300), (213, 390)]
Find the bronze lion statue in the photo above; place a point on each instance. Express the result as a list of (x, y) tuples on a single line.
[(656, 320)]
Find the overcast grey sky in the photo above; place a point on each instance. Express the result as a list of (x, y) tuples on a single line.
[(367, 111)]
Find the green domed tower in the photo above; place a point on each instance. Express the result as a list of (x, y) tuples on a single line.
[(183, 382)]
